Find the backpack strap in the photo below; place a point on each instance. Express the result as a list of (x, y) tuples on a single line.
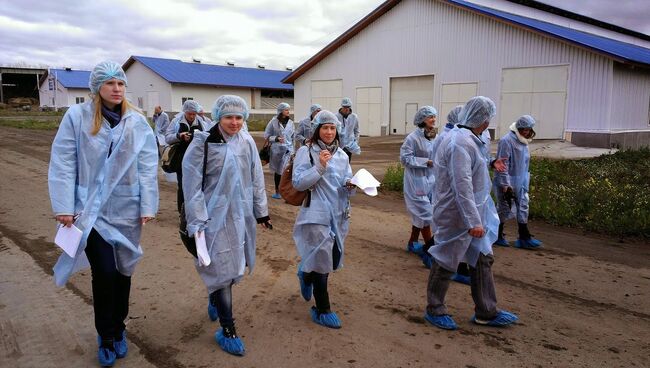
[(205, 163)]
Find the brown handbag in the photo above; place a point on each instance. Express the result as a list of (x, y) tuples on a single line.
[(290, 194)]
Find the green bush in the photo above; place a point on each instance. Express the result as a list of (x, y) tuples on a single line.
[(608, 194), (394, 178), (256, 125)]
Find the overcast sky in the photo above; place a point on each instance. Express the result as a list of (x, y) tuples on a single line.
[(276, 33)]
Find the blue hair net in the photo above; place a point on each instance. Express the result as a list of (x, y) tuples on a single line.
[(452, 117), (477, 111), (191, 106), (282, 106), (229, 105), (346, 102), (326, 117), (104, 71), (525, 121), (314, 107), (423, 113)]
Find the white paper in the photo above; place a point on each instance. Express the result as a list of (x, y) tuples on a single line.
[(201, 249), (68, 239), (366, 182)]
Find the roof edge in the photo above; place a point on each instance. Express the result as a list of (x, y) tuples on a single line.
[(340, 40)]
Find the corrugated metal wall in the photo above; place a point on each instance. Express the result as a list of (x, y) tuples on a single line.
[(420, 37), (630, 99)]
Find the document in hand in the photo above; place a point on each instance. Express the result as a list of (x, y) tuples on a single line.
[(366, 182), (202, 249), (68, 239)]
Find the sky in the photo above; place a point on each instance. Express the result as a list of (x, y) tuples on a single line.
[(277, 33)]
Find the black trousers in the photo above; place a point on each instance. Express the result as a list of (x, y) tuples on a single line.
[(319, 281), (222, 300), (179, 193), (276, 179), (111, 289)]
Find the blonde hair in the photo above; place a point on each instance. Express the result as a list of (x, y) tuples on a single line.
[(97, 115)]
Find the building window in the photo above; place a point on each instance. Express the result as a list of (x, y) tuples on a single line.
[(79, 100), (140, 102), (186, 99)]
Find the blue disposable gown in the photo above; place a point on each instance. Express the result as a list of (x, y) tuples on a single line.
[(462, 200), (280, 152), (108, 193), (325, 222), (227, 207), (304, 131), (415, 152), (349, 132), (160, 127), (517, 177), (173, 127)]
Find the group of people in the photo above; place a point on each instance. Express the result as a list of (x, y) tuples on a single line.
[(447, 190), (103, 180)]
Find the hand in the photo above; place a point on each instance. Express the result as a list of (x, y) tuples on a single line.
[(324, 157), (281, 139), (506, 188), (267, 225), (144, 220), (185, 136), (429, 163), (349, 185), (500, 164), (65, 220), (477, 232)]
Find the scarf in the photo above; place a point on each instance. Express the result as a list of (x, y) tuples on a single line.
[(429, 133), (331, 147), (112, 116), (520, 137), (345, 116), (282, 120)]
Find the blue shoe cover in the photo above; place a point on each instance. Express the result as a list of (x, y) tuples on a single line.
[(526, 244), (106, 357), (427, 260), (121, 347), (502, 242), (231, 345), (212, 312), (305, 290), (534, 242), (330, 319), (276, 196), (502, 319), (463, 279), (445, 321), (414, 247)]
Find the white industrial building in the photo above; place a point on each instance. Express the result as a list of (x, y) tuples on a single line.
[(583, 80), (169, 83), (63, 87)]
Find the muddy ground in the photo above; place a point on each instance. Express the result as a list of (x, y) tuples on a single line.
[(582, 299)]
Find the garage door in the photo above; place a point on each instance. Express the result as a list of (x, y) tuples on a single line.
[(327, 93), (368, 108), (540, 92), (407, 95), (452, 95)]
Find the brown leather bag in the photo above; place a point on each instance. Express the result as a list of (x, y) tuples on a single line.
[(290, 194)]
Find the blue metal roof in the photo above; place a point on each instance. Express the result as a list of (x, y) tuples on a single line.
[(72, 78), (616, 49), (176, 71)]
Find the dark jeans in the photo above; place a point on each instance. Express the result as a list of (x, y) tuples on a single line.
[(276, 179), (179, 193), (222, 300), (110, 288), (319, 281)]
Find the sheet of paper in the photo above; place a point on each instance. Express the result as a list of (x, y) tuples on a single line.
[(366, 182), (68, 239), (202, 249)]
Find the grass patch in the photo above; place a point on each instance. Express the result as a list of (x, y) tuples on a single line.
[(20, 113), (256, 125), (30, 124), (609, 194)]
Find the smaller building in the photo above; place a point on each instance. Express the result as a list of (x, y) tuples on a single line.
[(64, 87), (170, 82)]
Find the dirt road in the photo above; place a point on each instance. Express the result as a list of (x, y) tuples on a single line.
[(582, 300)]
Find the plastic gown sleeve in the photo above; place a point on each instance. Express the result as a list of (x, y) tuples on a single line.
[(260, 205), (408, 158), (305, 175), (148, 177), (268, 131), (170, 132), (62, 174), (196, 211), (461, 183), (504, 150)]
